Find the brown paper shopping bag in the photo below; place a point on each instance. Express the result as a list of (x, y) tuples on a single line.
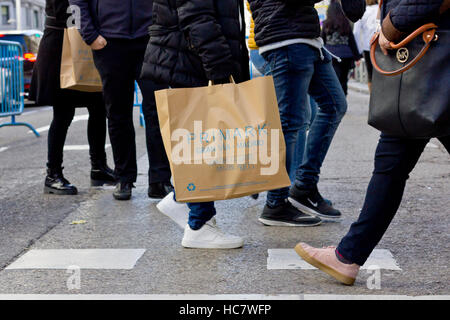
[(223, 141), (78, 71)]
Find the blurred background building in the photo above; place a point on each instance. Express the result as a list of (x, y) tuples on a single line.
[(32, 14)]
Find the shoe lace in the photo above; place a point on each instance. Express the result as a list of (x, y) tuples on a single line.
[(329, 247)]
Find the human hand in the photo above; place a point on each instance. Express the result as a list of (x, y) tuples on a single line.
[(384, 43), (99, 43)]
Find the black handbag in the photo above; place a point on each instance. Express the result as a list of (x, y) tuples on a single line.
[(410, 86)]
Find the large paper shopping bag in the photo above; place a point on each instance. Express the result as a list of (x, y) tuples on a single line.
[(223, 141), (78, 71)]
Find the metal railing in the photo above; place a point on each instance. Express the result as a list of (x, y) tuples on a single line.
[(138, 103), (11, 83)]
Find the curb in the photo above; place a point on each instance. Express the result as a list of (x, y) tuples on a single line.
[(358, 87)]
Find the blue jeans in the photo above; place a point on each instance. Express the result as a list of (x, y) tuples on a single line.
[(301, 141), (200, 213), (260, 64), (263, 67), (297, 70)]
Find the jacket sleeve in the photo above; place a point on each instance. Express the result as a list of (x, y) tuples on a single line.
[(354, 47), (354, 9), (408, 15), (357, 28), (88, 30), (204, 35)]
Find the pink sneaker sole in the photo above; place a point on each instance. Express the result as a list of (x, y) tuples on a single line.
[(327, 269)]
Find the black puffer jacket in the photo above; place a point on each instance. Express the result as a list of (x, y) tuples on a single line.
[(116, 19), (193, 41), (408, 15), (278, 20)]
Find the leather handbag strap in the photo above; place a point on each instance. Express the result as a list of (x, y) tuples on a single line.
[(428, 32)]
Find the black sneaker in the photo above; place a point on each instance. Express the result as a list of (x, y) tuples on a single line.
[(310, 201), (159, 190), (123, 191), (287, 215)]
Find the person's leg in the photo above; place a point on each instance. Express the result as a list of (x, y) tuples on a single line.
[(96, 130), (395, 158), (301, 141), (292, 68), (328, 94), (203, 233), (101, 173), (200, 213), (55, 183), (159, 168), (369, 68), (332, 105), (339, 69), (62, 118), (117, 71), (343, 77)]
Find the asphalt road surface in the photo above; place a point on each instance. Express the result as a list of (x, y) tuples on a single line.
[(414, 253)]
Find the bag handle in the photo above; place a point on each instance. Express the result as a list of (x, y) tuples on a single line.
[(428, 32), (211, 82)]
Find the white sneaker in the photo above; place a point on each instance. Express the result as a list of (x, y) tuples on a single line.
[(210, 237), (177, 211)]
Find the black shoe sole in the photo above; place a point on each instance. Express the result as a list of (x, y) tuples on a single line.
[(48, 190), (313, 212), (277, 223), (156, 196), (122, 197), (101, 183)]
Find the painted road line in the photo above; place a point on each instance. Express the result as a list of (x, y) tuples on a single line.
[(3, 149), (289, 259), (80, 147), (83, 117), (254, 297), (82, 258)]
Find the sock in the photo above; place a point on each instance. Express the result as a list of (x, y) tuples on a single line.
[(341, 258)]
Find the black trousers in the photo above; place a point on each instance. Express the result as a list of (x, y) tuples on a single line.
[(342, 69), (119, 65), (395, 158), (63, 113)]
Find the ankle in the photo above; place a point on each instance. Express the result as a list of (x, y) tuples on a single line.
[(341, 258)]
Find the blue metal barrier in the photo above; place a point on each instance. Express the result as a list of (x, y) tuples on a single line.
[(11, 83), (138, 103)]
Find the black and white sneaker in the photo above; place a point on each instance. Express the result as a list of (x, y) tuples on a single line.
[(310, 201), (287, 215)]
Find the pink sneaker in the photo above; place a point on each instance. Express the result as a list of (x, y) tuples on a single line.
[(325, 259)]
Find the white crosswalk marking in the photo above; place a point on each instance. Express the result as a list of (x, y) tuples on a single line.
[(82, 258), (3, 149), (83, 117), (80, 147), (289, 259)]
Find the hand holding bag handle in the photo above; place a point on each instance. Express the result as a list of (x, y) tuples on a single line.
[(427, 30), (428, 33), (211, 82)]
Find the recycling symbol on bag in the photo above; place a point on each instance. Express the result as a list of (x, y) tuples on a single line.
[(191, 187)]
